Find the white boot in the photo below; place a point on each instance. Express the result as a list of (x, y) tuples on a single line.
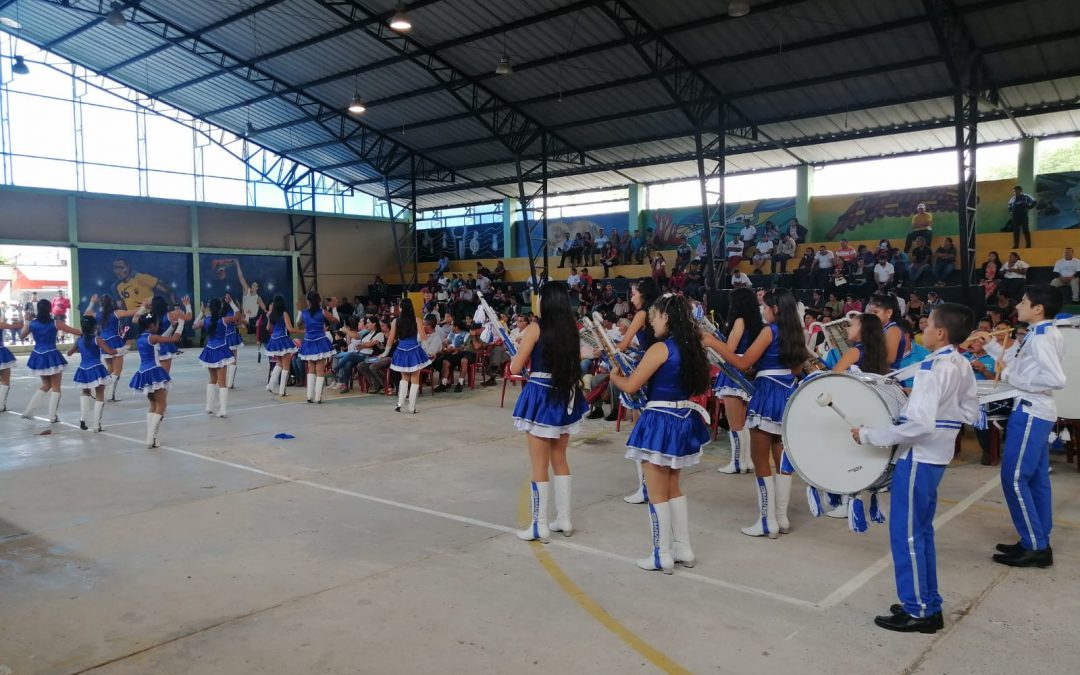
[(113, 383), (783, 496), (320, 382), (642, 494), (211, 398), (284, 384), (157, 428), (99, 409), (223, 402), (680, 532), (152, 422), (54, 405), (766, 525), (272, 385), (562, 506), (34, 400), (747, 457), (402, 394), (414, 391), (4, 389), (660, 558), (310, 387), (538, 528), (86, 407), (230, 376), (840, 511), (740, 452)]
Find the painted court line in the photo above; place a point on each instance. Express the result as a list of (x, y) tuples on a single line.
[(203, 413)]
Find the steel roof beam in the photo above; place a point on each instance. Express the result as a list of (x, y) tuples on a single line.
[(99, 8)]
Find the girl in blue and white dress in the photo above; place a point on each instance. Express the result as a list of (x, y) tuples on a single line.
[(104, 309), (867, 352), (7, 360), (235, 342), (316, 349), (280, 345), (46, 361), (743, 326), (216, 355), (91, 375), (638, 338), (672, 428), (151, 379), (779, 352), (409, 357), (886, 308), (169, 350), (550, 406)]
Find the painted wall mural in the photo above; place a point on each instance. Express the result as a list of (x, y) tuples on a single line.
[(672, 224), (461, 242), (1058, 195)]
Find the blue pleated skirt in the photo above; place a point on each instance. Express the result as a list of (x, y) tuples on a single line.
[(151, 379), (217, 357), (765, 410), (314, 349), (668, 437), (46, 363), (91, 376), (167, 350), (117, 343), (409, 357), (725, 386), (234, 340), (541, 415), (7, 359), (281, 345)]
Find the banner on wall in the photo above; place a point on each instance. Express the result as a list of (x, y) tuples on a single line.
[(1058, 196), (131, 277), (561, 228), (672, 224), (247, 278), (461, 242)]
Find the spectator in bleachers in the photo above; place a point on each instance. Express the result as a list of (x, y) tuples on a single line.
[(748, 234), (622, 307), (659, 269), (1004, 304), (944, 261), (637, 247), (453, 357), (695, 279), (499, 273), (586, 279), (933, 301), (846, 255), (626, 249), (701, 252), (784, 251), (1014, 276), (804, 272), (682, 253), (444, 264), (600, 240), (374, 368), (990, 274), (919, 261), (772, 233), (609, 257), (824, 260), (899, 260), (574, 280), (914, 305), (851, 304), (605, 304), (734, 252), (762, 254), (571, 248), (588, 248), (922, 225), (834, 304), (740, 280), (1020, 204), (1067, 273)]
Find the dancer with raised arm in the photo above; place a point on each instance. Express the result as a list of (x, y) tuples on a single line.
[(151, 379), (216, 355), (46, 361), (108, 316), (316, 348), (91, 375)]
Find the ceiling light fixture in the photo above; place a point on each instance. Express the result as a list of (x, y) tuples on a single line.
[(356, 106), (20, 67), (115, 16), (738, 8), (10, 23), (401, 21), (250, 129), (504, 67)]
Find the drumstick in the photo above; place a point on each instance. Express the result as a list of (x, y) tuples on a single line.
[(824, 399)]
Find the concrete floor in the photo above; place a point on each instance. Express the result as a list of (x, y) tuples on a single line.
[(379, 543)]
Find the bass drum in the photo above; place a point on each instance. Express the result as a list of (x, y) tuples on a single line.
[(818, 441), (1067, 400)]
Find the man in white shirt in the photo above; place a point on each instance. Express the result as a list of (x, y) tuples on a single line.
[(748, 234), (601, 239), (762, 255), (1067, 271), (483, 284), (734, 252), (824, 260), (700, 253), (573, 280), (740, 280), (884, 273)]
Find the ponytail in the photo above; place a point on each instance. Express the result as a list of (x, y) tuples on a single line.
[(215, 316)]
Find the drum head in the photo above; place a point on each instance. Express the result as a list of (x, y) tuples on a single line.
[(1067, 400), (818, 441)]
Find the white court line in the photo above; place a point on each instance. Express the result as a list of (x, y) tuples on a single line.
[(806, 604), (169, 418), (862, 578)]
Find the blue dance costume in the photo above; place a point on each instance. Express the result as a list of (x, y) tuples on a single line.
[(316, 345), (110, 333), (232, 334), (7, 359), (773, 386), (166, 350), (540, 413), (672, 429), (46, 358), (898, 358), (150, 376), (280, 343), (409, 357), (724, 385), (216, 353), (91, 373)]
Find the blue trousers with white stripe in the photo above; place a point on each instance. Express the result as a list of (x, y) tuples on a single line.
[(1025, 478), (911, 535)]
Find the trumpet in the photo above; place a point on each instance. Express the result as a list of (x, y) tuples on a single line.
[(614, 360)]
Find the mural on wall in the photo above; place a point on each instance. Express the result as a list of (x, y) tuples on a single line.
[(887, 214), (672, 224), (560, 228), (247, 278), (1058, 195), (131, 277), (460, 242)]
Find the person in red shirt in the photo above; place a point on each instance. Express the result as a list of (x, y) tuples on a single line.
[(846, 254), (60, 308)]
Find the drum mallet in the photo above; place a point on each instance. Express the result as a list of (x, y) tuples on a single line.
[(824, 399)]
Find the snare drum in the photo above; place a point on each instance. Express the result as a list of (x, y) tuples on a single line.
[(818, 441), (1067, 400), (995, 398)]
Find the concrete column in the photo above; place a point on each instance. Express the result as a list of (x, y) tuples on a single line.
[(196, 278), (509, 243), (1027, 164), (637, 205), (804, 189), (73, 254)]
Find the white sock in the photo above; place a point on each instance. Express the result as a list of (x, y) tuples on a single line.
[(461, 380), (311, 386), (320, 382), (114, 380), (414, 391), (86, 405), (272, 385), (402, 392), (230, 376), (223, 398), (54, 404), (99, 409), (211, 396), (34, 400), (4, 389), (445, 382)]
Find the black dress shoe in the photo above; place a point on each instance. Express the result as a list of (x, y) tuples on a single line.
[(595, 414), (613, 415), (1025, 558), (1011, 549), (440, 389), (938, 618), (905, 623)]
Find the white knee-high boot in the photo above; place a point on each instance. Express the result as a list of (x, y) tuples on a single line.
[(320, 383), (660, 557), (680, 532), (562, 506), (34, 400), (272, 385), (311, 388), (642, 494), (747, 456), (414, 391), (402, 394), (86, 407), (54, 405), (230, 376), (211, 397), (538, 528), (766, 525), (783, 496), (110, 390), (4, 389), (99, 410), (739, 452), (152, 422), (283, 385), (223, 402)]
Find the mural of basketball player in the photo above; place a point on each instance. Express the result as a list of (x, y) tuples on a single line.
[(132, 288)]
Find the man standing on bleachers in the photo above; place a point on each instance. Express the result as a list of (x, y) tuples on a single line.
[(1067, 273), (1019, 206)]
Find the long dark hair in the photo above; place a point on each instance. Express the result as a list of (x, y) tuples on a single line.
[(158, 306), (873, 341), (681, 327), (277, 310), (108, 308), (793, 352), (886, 302), (406, 321), (314, 301), (744, 305), (215, 315), (44, 311), (560, 342), (649, 291), (89, 329)]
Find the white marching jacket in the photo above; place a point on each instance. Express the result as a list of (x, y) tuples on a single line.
[(1035, 368)]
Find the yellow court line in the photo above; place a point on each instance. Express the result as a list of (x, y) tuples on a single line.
[(665, 663)]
